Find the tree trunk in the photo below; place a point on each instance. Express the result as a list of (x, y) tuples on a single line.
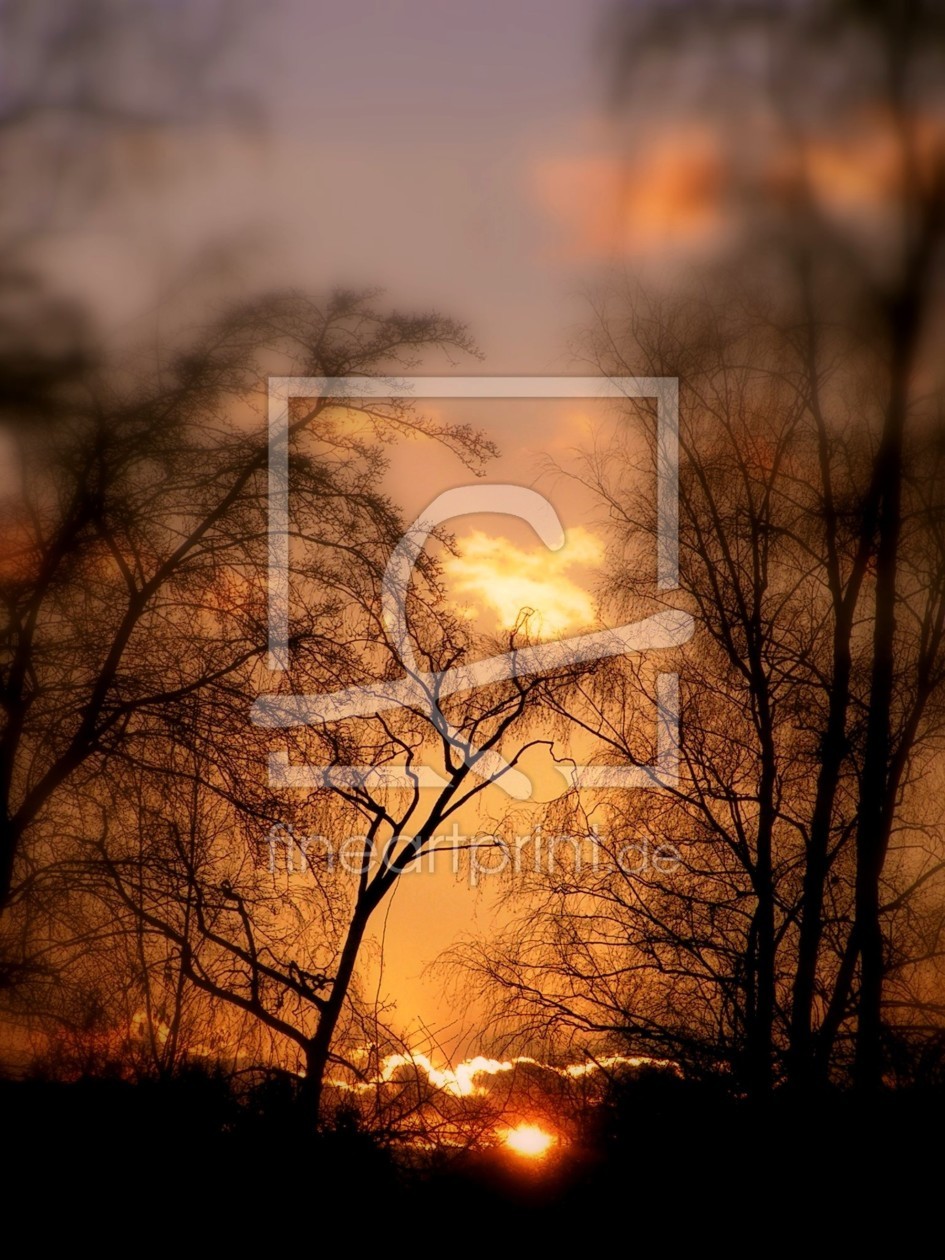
[(319, 1048), (875, 813), (9, 843), (760, 1031), (802, 1070)]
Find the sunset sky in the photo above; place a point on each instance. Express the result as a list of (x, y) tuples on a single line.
[(461, 159), (499, 569), (472, 614)]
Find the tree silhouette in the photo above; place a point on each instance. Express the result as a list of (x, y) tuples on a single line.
[(740, 959), (868, 270)]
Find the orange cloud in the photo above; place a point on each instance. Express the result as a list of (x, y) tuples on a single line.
[(862, 169), (670, 194), (682, 189), (527, 584)]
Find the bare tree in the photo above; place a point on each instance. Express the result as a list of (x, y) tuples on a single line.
[(135, 577), (137, 634), (275, 926), (864, 279), (740, 956)]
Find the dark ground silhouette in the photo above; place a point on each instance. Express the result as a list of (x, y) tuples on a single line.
[(182, 1163)]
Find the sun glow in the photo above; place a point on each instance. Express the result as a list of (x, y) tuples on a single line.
[(529, 1140), (527, 587)]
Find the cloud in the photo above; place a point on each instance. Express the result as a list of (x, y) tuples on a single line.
[(684, 187), (476, 1076), (526, 585), (670, 194)]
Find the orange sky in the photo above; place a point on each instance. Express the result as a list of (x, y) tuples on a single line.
[(501, 567), (462, 160)]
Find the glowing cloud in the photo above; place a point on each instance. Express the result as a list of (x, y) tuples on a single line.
[(529, 585), (670, 195), (464, 1080), (459, 1081)]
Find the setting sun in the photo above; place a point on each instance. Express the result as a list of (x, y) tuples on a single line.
[(528, 1139)]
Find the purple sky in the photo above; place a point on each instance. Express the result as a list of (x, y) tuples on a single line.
[(402, 145)]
